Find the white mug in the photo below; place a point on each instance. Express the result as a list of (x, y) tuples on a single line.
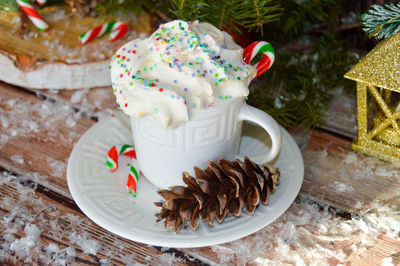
[(210, 134)]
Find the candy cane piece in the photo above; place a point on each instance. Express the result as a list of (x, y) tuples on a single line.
[(120, 30), (33, 15), (115, 151), (40, 2), (257, 48), (117, 31), (133, 179), (112, 163)]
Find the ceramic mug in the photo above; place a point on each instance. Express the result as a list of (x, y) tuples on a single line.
[(210, 134)]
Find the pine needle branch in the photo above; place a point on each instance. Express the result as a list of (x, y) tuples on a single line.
[(254, 14), (302, 97), (382, 21)]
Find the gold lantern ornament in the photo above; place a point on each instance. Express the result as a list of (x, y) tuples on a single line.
[(378, 101)]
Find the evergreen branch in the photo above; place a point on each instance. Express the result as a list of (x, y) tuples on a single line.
[(222, 16), (302, 97), (382, 21), (254, 14), (188, 9), (115, 7), (299, 14)]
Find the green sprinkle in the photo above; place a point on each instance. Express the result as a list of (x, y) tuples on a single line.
[(156, 111)]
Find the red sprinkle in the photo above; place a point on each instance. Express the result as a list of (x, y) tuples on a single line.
[(118, 56), (160, 90), (134, 51), (121, 76), (126, 105)]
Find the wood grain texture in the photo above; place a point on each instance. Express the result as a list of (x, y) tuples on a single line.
[(61, 226), (342, 115), (335, 176), (339, 177), (39, 146), (329, 161)]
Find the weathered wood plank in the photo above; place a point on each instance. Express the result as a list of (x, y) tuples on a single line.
[(304, 233), (334, 175), (339, 177), (38, 136), (326, 157), (92, 101), (64, 234), (308, 235), (342, 115)]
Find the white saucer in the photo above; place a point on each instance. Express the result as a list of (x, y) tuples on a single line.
[(102, 196)]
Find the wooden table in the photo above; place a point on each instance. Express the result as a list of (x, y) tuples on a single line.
[(347, 211)]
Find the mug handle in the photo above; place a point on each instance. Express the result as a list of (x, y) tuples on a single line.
[(269, 124), (260, 47)]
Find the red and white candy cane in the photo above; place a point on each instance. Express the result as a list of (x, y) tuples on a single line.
[(257, 48), (33, 15), (40, 2), (112, 163), (117, 31)]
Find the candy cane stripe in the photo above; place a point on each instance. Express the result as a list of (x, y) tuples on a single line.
[(248, 52), (112, 164), (40, 2), (260, 47), (33, 15), (136, 174), (117, 30), (112, 159)]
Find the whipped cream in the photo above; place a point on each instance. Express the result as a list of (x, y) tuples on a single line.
[(180, 69)]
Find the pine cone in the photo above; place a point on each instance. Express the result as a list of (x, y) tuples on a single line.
[(221, 190)]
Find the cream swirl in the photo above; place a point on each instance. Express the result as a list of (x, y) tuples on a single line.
[(181, 68)]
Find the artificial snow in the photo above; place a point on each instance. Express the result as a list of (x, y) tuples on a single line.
[(17, 158), (89, 246), (78, 95), (342, 187), (57, 167), (23, 245), (387, 261), (303, 235), (23, 118)]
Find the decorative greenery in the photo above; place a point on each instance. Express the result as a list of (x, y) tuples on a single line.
[(302, 15), (8, 5), (300, 86), (113, 7), (251, 14), (382, 21), (311, 54)]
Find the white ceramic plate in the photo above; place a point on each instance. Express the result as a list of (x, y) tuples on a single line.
[(102, 196)]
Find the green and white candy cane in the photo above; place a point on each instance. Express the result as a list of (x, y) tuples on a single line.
[(112, 163), (260, 47)]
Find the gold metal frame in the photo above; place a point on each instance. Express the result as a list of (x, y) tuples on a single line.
[(365, 142)]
